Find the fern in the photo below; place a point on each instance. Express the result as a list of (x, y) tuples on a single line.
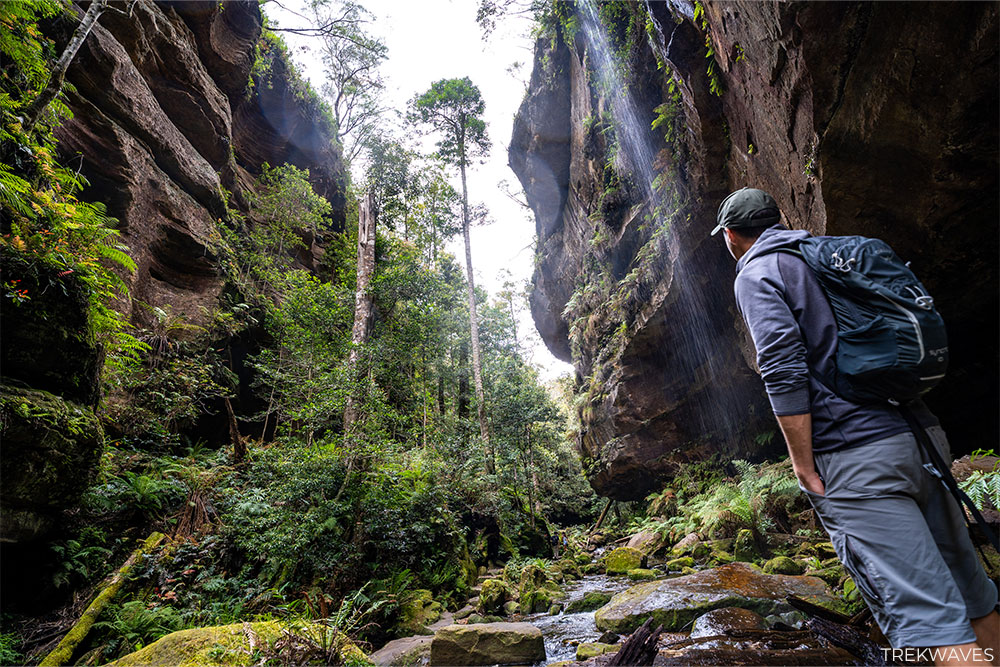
[(983, 489)]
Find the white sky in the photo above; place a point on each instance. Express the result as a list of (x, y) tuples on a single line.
[(429, 40)]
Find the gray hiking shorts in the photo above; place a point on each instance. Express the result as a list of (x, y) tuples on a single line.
[(902, 537)]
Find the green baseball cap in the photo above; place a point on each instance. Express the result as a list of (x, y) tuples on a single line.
[(747, 207)]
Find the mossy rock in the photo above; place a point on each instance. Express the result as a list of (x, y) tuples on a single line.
[(589, 602), (417, 612), (623, 559), (642, 574), (582, 559), (569, 567), (783, 565), (51, 450), (675, 603), (536, 601), (744, 547), (48, 341), (225, 645), (679, 563), (488, 644), (831, 575), (588, 650), (494, 593), (532, 577), (721, 558), (555, 609), (511, 607)]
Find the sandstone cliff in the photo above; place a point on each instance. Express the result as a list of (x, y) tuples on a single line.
[(169, 116), (857, 117)]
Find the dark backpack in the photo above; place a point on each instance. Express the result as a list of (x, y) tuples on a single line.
[(891, 344)]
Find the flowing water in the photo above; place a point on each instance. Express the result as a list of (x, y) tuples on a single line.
[(698, 296), (562, 632)]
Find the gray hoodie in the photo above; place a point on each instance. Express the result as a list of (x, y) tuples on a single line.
[(795, 334)]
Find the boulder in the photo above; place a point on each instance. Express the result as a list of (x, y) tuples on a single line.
[(495, 592), (623, 559), (720, 621), (405, 651), (419, 610), (686, 542), (511, 607), (589, 602), (588, 650), (226, 645), (488, 644), (51, 449), (536, 601), (679, 563), (677, 602), (642, 574), (647, 541), (744, 546), (783, 565)]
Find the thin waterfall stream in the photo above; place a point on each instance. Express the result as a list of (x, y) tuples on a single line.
[(635, 158)]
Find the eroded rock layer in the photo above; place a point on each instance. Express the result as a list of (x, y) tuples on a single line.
[(168, 119), (858, 118)]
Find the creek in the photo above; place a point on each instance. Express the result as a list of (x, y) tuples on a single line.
[(562, 631)]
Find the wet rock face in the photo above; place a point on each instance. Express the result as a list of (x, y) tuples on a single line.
[(675, 603), (881, 127), (165, 120)]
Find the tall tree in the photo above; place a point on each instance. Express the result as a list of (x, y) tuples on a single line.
[(353, 82), (454, 109)]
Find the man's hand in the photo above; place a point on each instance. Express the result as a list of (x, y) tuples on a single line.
[(811, 482), (797, 430)]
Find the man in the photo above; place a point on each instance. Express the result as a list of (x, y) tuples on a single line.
[(899, 533)]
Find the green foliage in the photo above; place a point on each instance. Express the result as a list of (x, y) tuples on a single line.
[(44, 219), (10, 653), (453, 108), (137, 624), (76, 562), (983, 488)]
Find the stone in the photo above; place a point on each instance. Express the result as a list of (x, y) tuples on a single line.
[(488, 644), (608, 638), (494, 593), (536, 601), (403, 652), (555, 609), (464, 612), (831, 575), (589, 602), (761, 647), (642, 574), (588, 650), (417, 611), (647, 541), (679, 563), (623, 559), (744, 546), (686, 542), (51, 451), (224, 645), (511, 607), (783, 565), (720, 621), (677, 602)]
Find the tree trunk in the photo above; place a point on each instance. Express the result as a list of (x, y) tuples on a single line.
[(362, 304), (535, 501), (63, 653), (239, 447), (54, 85), (604, 513), (463, 381), (477, 369)]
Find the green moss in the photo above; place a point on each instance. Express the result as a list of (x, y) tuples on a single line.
[(588, 650), (589, 602), (224, 645), (782, 565), (492, 596), (679, 563), (623, 559), (642, 574)]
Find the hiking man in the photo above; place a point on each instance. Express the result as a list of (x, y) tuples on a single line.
[(898, 532)]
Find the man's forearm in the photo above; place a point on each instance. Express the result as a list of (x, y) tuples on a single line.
[(797, 430)]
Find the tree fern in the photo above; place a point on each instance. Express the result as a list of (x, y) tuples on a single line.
[(983, 489)]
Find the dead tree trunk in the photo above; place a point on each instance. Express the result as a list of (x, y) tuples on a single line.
[(639, 648), (362, 305), (55, 82)]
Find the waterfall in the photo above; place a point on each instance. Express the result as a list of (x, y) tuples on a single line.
[(704, 357)]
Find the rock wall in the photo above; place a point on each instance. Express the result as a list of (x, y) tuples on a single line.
[(858, 118), (168, 118)]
